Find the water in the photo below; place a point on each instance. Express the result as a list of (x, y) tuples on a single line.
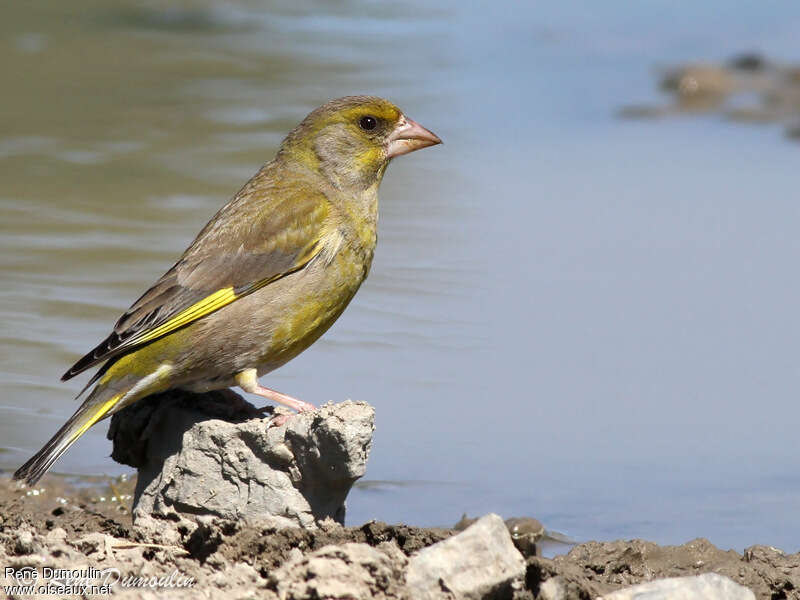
[(573, 317)]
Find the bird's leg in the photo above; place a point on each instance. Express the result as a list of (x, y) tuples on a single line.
[(248, 381)]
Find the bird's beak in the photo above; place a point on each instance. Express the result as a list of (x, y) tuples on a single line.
[(409, 136)]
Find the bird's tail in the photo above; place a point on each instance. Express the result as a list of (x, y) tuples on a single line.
[(99, 404)]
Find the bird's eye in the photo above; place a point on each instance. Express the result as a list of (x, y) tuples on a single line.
[(367, 123)]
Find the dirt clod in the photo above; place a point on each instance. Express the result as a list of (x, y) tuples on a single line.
[(65, 527)]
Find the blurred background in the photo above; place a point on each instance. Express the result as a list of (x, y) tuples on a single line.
[(572, 315)]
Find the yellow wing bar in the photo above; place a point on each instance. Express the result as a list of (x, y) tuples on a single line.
[(210, 304), (196, 311)]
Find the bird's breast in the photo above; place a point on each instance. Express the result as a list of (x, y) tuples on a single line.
[(317, 297)]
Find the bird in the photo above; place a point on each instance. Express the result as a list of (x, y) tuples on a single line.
[(262, 281)]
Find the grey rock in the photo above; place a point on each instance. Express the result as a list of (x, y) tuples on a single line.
[(344, 571), (527, 533), (561, 588), (709, 586), (480, 562), (554, 588), (203, 456), (26, 543)]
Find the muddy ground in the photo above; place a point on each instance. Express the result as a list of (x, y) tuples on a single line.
[(89, 527)]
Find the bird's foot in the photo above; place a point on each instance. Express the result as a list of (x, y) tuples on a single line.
[(281, 418)]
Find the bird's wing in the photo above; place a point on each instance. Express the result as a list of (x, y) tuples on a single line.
[(250, 243)]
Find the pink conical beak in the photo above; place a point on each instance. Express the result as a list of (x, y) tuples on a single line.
[(409, 136)]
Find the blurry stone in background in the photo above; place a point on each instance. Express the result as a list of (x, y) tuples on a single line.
[(527, 534), (747, 88)]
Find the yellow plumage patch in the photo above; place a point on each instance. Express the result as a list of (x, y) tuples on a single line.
[(107, 406), (209, 304), (378, 108), (196, 311)]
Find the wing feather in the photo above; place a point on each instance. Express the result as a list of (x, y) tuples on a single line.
[(265, 233)]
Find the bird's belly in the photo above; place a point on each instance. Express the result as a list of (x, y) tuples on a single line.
[(310, 313)]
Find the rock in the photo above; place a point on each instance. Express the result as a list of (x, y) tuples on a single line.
[(708, 586), (699, 87), (95, 543), (556, 588), (241, 560), (748, 61), (773, 567), (409, 539), (552, 589), (526, 533), (345, 571), (479, 562), (215, 456), (565, 582), (464, 522), (56, 536), (614, 565), (26, 543)]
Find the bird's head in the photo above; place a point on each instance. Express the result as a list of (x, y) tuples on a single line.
[(351, 140)]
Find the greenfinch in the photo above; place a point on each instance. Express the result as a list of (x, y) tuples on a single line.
[(263, 280)]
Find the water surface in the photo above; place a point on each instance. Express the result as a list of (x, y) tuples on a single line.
[(582, 319)]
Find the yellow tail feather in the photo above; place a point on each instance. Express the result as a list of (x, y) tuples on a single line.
[(87, 415)]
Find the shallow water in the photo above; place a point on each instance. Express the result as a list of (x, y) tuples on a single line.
[(573, 317)]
